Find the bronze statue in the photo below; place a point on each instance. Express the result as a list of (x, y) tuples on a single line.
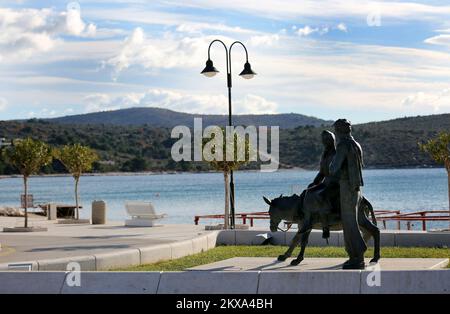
[(324, 184), (325, 202), (347, 166), (329, 144), (293, 209)]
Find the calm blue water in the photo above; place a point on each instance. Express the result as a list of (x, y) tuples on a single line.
[(182, 196)]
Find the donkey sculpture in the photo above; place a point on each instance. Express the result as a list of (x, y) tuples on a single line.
[(307, 213)]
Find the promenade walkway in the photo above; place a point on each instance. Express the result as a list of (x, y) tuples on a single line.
[(70, 240)]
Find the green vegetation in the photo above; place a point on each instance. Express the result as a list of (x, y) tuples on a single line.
[(132, 148), (217, 149), (76, 159), (386, 144), (439, 149), (28, 156), (224, 252), (120, 148)]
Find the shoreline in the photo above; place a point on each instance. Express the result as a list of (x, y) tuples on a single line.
[(149, 173), (141, 173)]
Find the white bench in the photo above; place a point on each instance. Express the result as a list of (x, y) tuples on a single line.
[(142, 214)]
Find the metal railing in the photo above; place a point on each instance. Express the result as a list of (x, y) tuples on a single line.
[(381, 215), (239, 216), (420, 216)]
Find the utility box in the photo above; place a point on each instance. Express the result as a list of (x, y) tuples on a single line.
[(98, 212)]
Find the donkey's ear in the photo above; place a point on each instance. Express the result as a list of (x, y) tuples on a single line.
[(281, 195), (269, 202)]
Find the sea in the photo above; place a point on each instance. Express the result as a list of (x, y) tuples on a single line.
[(184, 195)]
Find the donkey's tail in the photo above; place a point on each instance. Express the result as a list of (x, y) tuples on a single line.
[(370, 207)]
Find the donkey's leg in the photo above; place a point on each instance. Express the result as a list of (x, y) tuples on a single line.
[(291, 248), (304, 243), (296, 239), (366, 234), (373, 230)]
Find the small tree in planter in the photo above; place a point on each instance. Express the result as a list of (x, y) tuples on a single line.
[(215, 153), (28, 156), (77, 159), (439, 149)]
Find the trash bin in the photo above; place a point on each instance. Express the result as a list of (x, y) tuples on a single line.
[(98, 212), (52, 211)]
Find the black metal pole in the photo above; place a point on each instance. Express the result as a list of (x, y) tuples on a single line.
[(230, 123), (230, 120)]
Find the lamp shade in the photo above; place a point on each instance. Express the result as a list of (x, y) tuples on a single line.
[(209, 69), (247, 73)]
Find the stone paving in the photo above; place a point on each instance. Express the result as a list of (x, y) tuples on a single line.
[(62, 240)]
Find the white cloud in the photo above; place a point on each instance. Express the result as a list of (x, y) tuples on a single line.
[(198, 28), (264, 40), (443, 30), (283, 9), (3, 103), (442, 40), (306, 31), (44, 112), (105, 102), (153, 53), (206, 103), (342, 27), (180, 101), (255, 105), (183, 23), (25, 32), (433, 100)]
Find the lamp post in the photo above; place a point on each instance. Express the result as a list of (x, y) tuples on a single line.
[(247, 73)]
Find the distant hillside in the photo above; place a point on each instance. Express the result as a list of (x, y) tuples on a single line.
[(386, 144), (164, 118)]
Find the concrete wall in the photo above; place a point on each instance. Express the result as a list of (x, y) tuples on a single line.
[(204, 282), (388, 238)]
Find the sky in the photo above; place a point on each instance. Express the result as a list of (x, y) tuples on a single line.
[(359, 59)]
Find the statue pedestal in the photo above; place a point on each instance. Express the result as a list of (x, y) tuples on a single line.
[(325, 276), (319, 264)]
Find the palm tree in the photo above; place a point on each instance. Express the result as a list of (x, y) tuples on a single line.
[(439, 150), (77, 159), (214, 153), (28, 156)]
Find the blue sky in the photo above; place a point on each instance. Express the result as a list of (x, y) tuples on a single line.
[(363, 60)]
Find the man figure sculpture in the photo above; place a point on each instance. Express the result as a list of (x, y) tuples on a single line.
[(347, 166)]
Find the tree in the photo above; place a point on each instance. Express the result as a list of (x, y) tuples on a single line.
[(439, 150), (76, 159), (28, 156), (216, 152), (136, 164)]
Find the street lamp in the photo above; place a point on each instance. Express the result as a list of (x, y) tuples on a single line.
[(246, 73)]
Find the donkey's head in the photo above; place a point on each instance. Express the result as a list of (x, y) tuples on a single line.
[(282, 208)]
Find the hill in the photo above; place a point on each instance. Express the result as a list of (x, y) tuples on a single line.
[(386, 144), (164, 118)]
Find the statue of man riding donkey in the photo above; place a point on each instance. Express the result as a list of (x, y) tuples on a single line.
[(333, 200)]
